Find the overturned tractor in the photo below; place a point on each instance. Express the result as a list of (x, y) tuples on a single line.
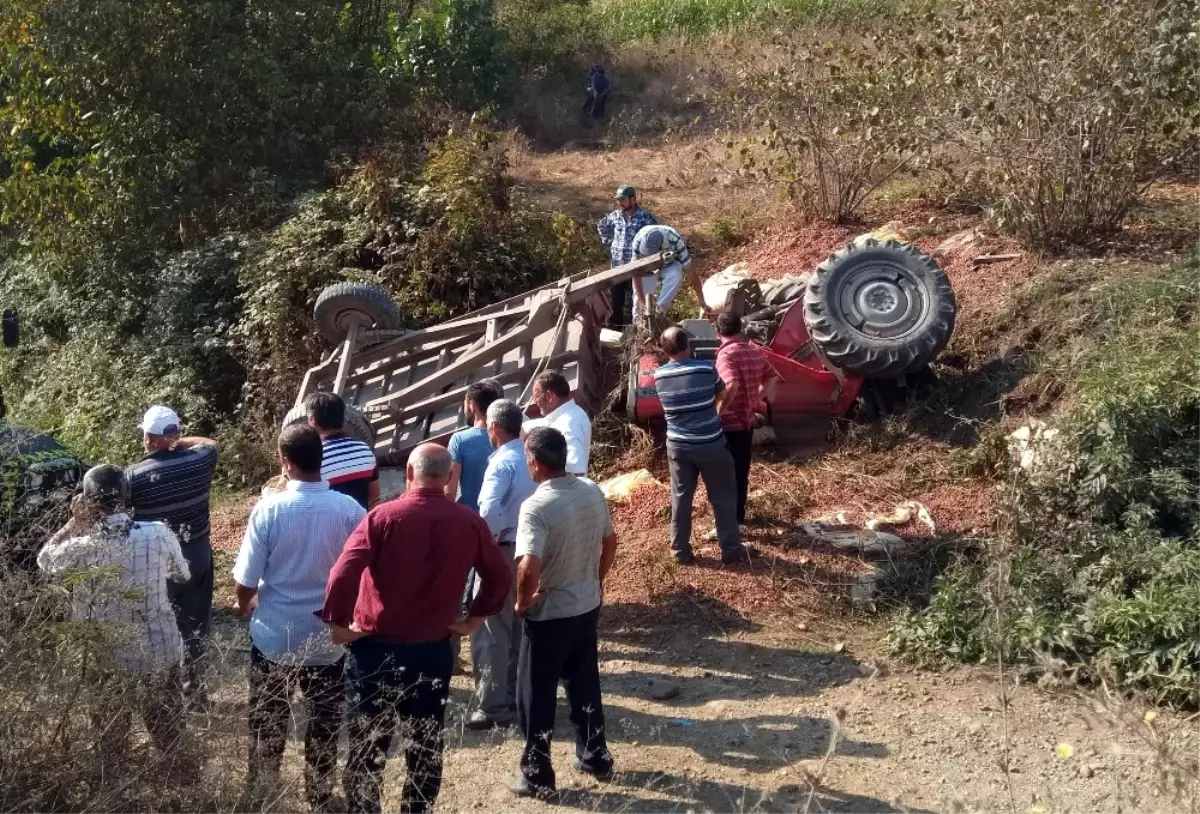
[(877, 311)]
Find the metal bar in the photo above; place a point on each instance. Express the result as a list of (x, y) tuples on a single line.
[(463, 326), (435, 403), (343, 370), (542, 319)]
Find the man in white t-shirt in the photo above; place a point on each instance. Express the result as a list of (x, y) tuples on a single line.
[(552, 394)]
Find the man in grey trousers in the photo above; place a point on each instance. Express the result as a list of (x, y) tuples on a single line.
[(496, 645), (692, 396)]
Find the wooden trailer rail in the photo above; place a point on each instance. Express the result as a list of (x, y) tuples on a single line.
[(410, 384)]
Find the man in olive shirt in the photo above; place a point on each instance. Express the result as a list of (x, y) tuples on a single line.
[(565, 548)]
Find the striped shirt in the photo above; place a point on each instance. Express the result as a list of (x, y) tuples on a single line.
[(172, 487), (617, 232), (122, 569), (292, 540), (688, 391), (348, 465), (672, 242)]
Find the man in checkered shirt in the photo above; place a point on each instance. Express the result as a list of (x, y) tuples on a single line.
[(118, 571), (617, 230)]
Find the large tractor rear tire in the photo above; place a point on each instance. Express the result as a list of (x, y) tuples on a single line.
[(356, 425), (879, 310), (343, 305)]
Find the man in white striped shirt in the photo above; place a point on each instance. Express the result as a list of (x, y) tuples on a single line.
[(292, 540), (119, 571), (348, 465)]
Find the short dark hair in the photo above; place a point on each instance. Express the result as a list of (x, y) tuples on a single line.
[(483, 393), (674, 340), (107, 486), (301, 445), (729, 324), (548, 447), (327, 409), (555, 382)]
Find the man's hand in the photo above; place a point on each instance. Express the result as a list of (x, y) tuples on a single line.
[(346, 635), (521, 608), (244, 609), (467, 626)]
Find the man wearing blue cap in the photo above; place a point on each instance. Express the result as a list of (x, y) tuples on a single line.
[(617, 230)]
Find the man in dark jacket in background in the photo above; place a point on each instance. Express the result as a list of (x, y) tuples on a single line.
[(598, 88)]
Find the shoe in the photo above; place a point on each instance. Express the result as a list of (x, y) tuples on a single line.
[(602, 775), (519, 786), (742, 555), (684, 557), (479, 722)]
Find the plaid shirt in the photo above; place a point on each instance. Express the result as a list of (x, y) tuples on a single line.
[(743, 362), (617, 232)]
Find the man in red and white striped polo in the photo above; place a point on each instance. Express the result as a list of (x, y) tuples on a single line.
[(347, 464)]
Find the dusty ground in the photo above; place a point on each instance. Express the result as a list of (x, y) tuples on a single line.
[(753, 724)]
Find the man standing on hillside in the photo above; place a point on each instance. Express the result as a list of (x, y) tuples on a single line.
[(692, 397), (617, 230), (172, 485), (552, 394), (749, 377), (565, 548), (393, 597), (292, 540), (653, 240), (495, 647), (347, 464)]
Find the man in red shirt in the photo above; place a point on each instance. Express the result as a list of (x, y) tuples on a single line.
[(748, 377), (393, 597)]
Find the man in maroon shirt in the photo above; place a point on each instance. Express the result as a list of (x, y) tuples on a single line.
[(393, 597)]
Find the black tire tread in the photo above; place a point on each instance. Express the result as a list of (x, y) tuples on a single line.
[(366, 298), (853, 352)]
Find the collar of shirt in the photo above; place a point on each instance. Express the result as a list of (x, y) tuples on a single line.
[(306, 485), (515, 445), (112, 521), (425, 491)]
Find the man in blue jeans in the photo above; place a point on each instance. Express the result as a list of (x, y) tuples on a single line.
[(393, 597), (617, 230)]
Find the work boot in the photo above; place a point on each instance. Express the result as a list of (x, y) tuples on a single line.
[(683, 557), (739, 557)]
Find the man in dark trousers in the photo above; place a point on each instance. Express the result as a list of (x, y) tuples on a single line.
[(598, 88), (693, 397), (748, 377), (172, 485), (393, 597), (565, 548), (617, 230), (292, 540)]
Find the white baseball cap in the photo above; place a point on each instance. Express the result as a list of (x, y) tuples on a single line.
[(160, 420)]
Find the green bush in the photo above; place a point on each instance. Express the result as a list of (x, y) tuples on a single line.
[(633, 20), (1058, 114), (1099, 553)]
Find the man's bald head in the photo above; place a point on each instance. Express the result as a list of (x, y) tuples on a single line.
[(429, 466), (674, 342)]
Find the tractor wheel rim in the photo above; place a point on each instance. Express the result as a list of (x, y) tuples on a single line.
[(882, 301)]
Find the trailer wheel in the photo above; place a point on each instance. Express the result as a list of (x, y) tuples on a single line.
[(344, 305), (356, 425), (879, 309)]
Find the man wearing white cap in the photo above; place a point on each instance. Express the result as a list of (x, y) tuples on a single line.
[(171, 484)]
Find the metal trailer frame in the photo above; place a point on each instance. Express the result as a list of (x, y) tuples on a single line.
[(410, 384)]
